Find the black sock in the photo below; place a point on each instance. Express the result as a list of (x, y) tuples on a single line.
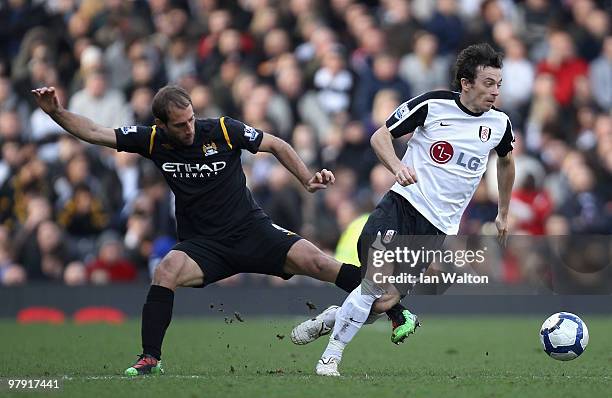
[(395, 313), (349, 278), (156, 316)]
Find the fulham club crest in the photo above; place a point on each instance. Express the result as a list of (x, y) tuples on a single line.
[(389, 235), (484, 133)]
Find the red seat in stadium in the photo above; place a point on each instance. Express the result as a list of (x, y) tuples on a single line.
[(99, 315), (40, 315)]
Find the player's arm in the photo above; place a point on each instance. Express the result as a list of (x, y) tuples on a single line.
[(505, 181), (292, 162), (404, 120), (77, 125), (382, 143)]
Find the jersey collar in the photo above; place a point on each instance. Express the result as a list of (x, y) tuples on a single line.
[(464, 109)]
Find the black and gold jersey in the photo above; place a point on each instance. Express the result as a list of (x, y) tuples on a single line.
[(212, 199)]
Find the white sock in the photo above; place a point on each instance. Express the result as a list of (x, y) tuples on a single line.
[(350, 317), (329, 319)]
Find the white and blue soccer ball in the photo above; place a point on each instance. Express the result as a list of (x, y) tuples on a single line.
[(564, 336)]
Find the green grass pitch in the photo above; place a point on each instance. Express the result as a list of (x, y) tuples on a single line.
[(478, 356)]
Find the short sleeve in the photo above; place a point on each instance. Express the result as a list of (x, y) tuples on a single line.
[(406, 118), (506, 144), (136, 139), (240, 135)]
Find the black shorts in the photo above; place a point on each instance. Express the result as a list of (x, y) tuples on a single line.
[(261, 247), (395, 223)]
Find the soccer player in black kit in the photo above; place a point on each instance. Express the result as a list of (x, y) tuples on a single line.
[(222, 231)]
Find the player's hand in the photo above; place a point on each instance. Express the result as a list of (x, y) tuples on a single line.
[(47, 99), (405, 176), (320, 180), (502, 230)]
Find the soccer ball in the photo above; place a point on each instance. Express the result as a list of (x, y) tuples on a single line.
[(564, 336)]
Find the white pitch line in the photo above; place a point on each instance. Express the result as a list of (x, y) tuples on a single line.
[(166, 376), (118, 377), (357, 376)]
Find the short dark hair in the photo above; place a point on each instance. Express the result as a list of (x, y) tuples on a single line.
[(472, 57), (167, 95)]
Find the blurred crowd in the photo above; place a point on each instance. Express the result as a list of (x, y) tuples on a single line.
[(323, 75)]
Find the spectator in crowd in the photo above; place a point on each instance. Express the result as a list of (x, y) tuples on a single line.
[(11, 273), (285, 200), (400, 27), (385, 102), (530, 207), (384, 76), (518, 75), (76, 170), (11, 128), (290, 84), (275, 44), (536, 16), (333, 82), (563, 64), (372, 42), (75, 274), (424, 69), (91, 59), (44, 252), (589, 27), (600, 76), (140, 104), (139, 229), (11, 102), (584, 208), (447, 26), (304, 141), (110, 265), (204, 106), (96, 100), (380, 181), (83, 214), (356, 154), (180, 60), (481, 210), (543, 110)]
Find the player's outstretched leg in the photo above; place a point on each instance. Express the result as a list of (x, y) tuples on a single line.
[(176, 269), (349, 319), (403, 324), (306, 259), (349, 277), (313, 328)]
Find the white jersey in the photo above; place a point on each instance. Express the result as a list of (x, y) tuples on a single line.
[(448, 151)]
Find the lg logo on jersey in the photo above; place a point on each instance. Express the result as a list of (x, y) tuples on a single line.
[(442, 152)]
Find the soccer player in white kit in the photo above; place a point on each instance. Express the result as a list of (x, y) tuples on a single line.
[(446, 157)]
